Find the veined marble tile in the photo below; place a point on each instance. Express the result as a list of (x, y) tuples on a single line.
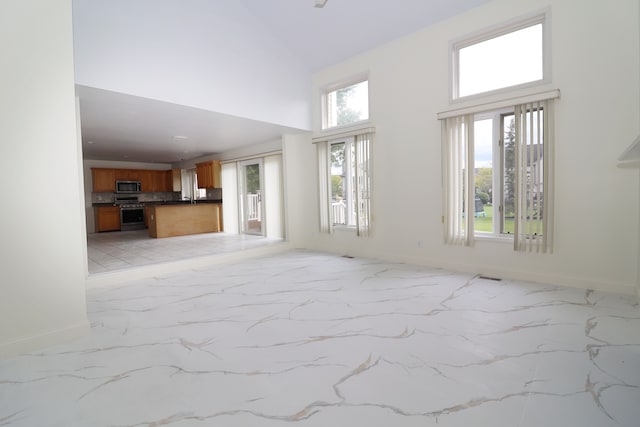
[(312, 339)]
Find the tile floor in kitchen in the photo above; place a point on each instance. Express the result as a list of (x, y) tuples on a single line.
[(121, 250), (310, 339)]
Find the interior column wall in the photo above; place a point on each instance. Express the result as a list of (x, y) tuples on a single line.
[(43, 259), (273, 196), (230, 197)]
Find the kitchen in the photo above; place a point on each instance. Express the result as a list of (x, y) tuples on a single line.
[(132, 199), (178, 155), (137, 223)]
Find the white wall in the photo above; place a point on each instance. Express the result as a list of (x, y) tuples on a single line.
[(42, 226), (273, 196), (209, 54), (230, 198), (300, 189), (596, 66)]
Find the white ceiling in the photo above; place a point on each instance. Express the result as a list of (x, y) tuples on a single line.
[(344, 28), (118, 126)]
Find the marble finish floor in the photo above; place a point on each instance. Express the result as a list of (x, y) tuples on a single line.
[(121, 250), (310, 339)]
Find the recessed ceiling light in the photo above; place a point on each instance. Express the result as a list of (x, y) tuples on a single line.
[(91, 142), (177, 138)]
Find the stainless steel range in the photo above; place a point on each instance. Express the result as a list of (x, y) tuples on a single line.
[(131, 213)]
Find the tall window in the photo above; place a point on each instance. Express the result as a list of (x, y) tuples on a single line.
[(509, 56), (190, 190), (346, 104), (498, 175), (344, 167), (495, 170)]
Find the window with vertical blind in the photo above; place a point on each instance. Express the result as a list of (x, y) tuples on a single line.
[(190, 190), (498, 173), (344, 181)]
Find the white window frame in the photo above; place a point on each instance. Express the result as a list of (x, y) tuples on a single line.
[(190, 188), (348, 189), (496, 160), (542, 17), (463, 232), (360, 78), (361, 137)]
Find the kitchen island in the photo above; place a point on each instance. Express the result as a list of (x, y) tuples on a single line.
[(182, 219)]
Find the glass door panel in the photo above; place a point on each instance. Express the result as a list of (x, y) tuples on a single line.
[(250, 191)]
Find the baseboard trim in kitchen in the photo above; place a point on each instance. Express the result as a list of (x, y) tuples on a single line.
[(147, 271)]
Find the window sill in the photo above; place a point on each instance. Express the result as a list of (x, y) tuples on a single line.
[(344, 131), (344, 228), (494, 238)]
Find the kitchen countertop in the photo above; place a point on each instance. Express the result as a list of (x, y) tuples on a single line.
[(161, 202)]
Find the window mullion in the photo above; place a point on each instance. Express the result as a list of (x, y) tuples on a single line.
[(349, 182), (496, 196)]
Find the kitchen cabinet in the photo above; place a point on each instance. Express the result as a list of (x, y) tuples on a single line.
[(168, 181), (209, 174), (181, 220), (151, 180), (128, 174), (107, 218), (176, 180), (161, 181), (146, 181), (103, 180), (121, 175)]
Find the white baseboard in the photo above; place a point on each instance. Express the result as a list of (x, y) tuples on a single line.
[(545, 278), (41, 341), (506, 273)]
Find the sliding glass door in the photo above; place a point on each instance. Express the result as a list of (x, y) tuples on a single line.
[(251, 212)]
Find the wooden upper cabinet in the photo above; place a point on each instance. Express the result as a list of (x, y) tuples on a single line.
[(103, 180), (128, 174), (146, 181), (209, 174), (134, 175), (176, 180), (150, 180), (121, 174), (161, 181), (168, 181)]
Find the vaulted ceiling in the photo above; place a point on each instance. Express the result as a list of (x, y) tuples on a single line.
[(162, 81)]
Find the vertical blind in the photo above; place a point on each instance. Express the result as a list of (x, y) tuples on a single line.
[(324, 186), (534, 156), (459, 186), (362, 184), (534, 180)]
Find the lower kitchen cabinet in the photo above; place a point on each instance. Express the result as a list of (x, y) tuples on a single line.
[(107, 218)]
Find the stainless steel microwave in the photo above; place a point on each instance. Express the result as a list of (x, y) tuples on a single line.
[(128, 187)]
